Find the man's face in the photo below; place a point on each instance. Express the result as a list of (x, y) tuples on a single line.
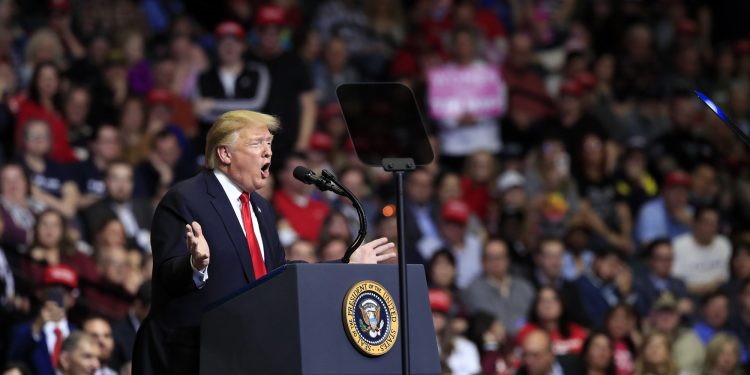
[(665, 320), (496, 259), (661, 260), (249, 158), (77, 107), (230, 50), (537, 355), (716, 311), (102, 332), (706, 226), (606, 268), (419, 188), (550, 258), (38, 142), (107, 145), (84, 360), (119, 182)]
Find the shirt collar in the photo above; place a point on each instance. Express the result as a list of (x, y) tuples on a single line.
[(230, 188)]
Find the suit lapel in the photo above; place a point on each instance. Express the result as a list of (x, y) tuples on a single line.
[(224, 210)]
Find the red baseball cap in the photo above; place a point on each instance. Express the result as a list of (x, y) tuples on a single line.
[(230, 29), (60, 275), (440, 301), (320, 141), (60, 5), (572, 88), (456, 210), (677, 178), (159, 96), (270, 15)]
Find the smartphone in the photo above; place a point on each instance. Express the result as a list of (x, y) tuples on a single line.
[(55, 295)]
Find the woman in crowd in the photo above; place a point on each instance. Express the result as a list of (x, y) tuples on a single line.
[(622, 326), (548, 314), (495, 348), (722, 356), (656, 356), (17, 207), (51, 183), (52, 246), (44, 102), (597, 355), (458, 355)]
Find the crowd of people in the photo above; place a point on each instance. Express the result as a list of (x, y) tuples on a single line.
[(584, 214)]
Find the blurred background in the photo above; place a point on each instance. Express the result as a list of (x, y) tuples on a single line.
[(585, 213)]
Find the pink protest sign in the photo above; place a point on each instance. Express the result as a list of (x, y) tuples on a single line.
[(454, 91)]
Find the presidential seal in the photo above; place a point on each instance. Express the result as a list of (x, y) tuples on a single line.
[(370, 318)]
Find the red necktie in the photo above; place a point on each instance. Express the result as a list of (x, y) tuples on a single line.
[(247, 221), (58, 346)]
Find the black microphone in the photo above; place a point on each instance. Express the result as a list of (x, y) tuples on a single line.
[(309, 177)]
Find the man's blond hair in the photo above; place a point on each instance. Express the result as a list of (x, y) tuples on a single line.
[(225, 130)]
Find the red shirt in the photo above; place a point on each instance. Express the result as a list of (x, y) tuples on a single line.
[(560, 345), (61, 151), (307, 220), (476, 196)]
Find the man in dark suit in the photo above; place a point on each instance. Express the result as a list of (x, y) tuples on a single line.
[(539, 359), (124, 329), (134, 213), (217, 209), (38, 342)]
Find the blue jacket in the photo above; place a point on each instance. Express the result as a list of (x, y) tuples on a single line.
[(35, 353)]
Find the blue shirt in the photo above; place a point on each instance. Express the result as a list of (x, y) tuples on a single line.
[(655, 222)]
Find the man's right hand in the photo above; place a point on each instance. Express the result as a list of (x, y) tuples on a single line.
[(50, 312), (197, 246)]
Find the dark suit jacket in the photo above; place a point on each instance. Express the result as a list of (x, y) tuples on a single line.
[(168, 340), (123, 332), (648, 292), (35, 354), (101, 211), (413, 234)]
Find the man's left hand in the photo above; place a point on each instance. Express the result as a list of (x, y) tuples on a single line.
[(374, 252)]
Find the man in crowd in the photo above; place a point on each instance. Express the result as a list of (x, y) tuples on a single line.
[(100, 329), (498, 293), (701, 257), (659, 279), (79, 355), (669, 215), (134, 213)]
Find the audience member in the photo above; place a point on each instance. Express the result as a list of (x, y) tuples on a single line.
[(723, 356), (38, 342), (118, 202), (101, 331), (18, 208), (597, 355), (659, 280), (550, 315), (668, 215), (539, 358), (496, 292), (51, 183), (124, 330), (465, 245), (687, 348), (701, 257), (457, 354), (79, 354)]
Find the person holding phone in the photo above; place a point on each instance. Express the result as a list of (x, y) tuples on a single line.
[(38, 342)]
